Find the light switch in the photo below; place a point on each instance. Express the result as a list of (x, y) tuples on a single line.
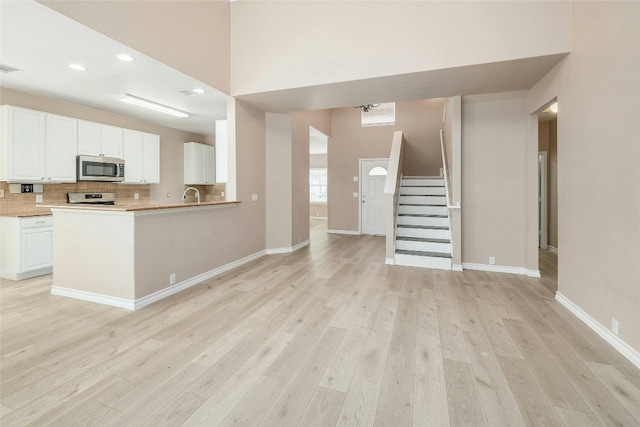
[(355, 179), (355, 195), (254, 197)]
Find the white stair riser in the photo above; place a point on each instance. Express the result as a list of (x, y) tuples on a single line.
[(424, 221), (423, 233), (434, 182), (409, 245), (423, 261), (423, 200), (422, 191), (423, 210)]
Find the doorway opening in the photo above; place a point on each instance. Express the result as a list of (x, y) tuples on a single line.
[(318, 182), (373, 174), (548, 195)]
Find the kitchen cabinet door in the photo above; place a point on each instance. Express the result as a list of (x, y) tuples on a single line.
[(111, 141), (23, 145), (37, 248), (151, 158), (62, 143), (209, 173), (89, 138), (133, 148)]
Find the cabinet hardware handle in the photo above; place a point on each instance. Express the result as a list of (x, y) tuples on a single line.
[(39, 222)]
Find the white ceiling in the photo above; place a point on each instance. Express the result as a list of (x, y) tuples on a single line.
[(42, 43)]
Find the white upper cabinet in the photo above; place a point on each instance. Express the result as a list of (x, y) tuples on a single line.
[(23, 145), (199, 163), (111, 141), (95, 139), (141, 157), (37, 147), (62, 143)]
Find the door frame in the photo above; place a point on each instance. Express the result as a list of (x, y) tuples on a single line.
[(543, 209), (360, 186)]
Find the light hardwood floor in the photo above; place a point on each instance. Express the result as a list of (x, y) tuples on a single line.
[(328, 335)]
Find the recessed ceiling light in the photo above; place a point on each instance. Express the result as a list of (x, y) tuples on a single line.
[(125, 57), (77, 67), (199, 91)]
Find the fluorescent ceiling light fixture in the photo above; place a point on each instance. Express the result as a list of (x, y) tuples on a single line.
[(130, 99), (77, 67), (124, 57), (554, 107), (199, 91)]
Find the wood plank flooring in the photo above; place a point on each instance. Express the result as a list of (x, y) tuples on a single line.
[(328, 335)]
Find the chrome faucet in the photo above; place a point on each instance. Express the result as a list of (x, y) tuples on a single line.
[(184, 195)]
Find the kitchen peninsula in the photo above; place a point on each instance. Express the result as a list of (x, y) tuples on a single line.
[(132, 256)]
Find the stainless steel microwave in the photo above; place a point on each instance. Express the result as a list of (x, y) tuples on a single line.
[(97, 168)]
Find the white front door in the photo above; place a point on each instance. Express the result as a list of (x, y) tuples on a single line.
[(373, 174)]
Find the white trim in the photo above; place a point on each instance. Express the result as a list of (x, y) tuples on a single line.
[(390, 261), (277, 251), (93, 297), (494, 268), (552, 249), (533, 273), (456, 267), (351, 232), (616, 342), (300, 245), (317, 217), (543, 210), (156, 296)]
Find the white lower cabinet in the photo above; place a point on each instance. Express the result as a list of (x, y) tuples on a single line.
[(27, 247)]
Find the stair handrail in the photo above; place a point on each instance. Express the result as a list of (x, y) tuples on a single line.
[(391, 192), (447, 177)]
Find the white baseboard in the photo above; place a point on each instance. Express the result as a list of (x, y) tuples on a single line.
[(390, 261), (494, 268), (533, 273), (127, 304), (622, 347), (318, 217), (351, 232), (156, 296), (287, 250), (552, 249), (456, 267)]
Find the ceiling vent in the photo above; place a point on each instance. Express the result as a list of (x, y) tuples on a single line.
[(7, 69)]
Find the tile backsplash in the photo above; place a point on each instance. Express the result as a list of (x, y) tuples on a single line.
[(208, 193), (16, 203)]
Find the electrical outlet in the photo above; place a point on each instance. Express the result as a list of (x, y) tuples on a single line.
[(254, 197), (136, 196), (614, 326), (172, 279), (355, 195), (1, 192), (38, 198), (222, 193), (492, 260), (355, 179)]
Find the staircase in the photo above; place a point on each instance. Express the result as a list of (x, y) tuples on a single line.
[(423, 237)]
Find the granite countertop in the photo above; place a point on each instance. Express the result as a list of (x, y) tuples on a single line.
[(39, 212), (134, 208)]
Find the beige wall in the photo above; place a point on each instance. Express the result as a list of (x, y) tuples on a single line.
[(318, 211), (325, 42), (300, 122), (420, 122), (171, 140), (278, 181), (190, 36), (599, 157), (494, 139)]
